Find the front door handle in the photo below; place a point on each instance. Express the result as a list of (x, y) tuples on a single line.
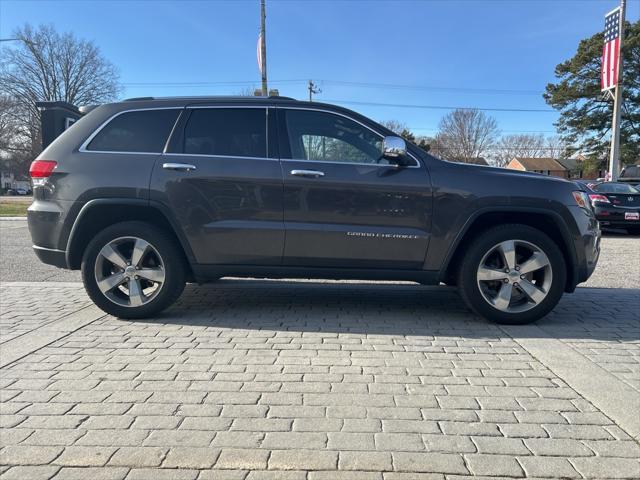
[(307, 173), (182, 167)]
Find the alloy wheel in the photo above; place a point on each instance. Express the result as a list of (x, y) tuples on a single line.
[(514, 276), (129, 271)]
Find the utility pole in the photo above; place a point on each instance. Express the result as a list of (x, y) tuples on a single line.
[(313, 88), (614, 157), (263, 47)]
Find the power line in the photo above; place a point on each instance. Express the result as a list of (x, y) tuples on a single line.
[(365, 84), (345, 83), (442, 107), (435, 88), (202, 84)]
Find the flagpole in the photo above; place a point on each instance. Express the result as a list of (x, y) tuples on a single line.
[(614, 156), (263, 49)]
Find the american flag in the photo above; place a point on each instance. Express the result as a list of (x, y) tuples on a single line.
[(611, 50)]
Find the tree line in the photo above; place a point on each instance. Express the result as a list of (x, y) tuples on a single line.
[(471, 136), (46, 65)]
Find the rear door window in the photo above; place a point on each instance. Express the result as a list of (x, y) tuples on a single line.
[(143, 131), (229, 132)]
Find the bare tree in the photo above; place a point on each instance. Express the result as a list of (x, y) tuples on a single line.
[(519, 145), (399, 128), (7, 130), (556, 147), (246, 92), (48, 66), (15, 150), (466, 134)]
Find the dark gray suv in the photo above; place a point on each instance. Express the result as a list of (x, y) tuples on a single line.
[(148, 194)]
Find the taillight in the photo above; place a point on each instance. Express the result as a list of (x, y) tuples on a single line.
[(594, 197), (40, 170), (581, 199)]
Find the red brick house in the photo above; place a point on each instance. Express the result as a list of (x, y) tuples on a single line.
[(546, 166)]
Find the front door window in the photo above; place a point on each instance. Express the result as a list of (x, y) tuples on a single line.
[(325, 137)]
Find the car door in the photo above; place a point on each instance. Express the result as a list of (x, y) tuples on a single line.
[(344, 205), (223, 185)]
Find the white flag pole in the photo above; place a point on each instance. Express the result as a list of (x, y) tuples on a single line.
[(263, 48), (614, 156)]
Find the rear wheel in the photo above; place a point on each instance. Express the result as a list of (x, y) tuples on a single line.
[(633, 230), (133, 270), (512, 274)]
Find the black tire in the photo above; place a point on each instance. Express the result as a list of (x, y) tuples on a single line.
[(633, 230), (484, 243), (170, 253)]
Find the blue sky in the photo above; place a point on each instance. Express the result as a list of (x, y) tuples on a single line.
[(487, 54)]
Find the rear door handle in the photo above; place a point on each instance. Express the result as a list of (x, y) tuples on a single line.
[(182, 167), (307, 173)]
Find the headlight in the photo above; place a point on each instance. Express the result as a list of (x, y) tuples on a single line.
[(582, 199)]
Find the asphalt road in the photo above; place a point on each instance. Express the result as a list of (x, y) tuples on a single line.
[(619, 265), (18, 263)]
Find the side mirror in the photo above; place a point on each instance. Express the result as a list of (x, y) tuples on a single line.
[(394, 149)]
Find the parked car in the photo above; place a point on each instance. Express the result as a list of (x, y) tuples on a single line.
[(22, 191), (630, 174), (617, 205), (144, 195)]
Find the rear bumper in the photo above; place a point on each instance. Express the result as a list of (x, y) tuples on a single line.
[(627, 224), (49, 225), (51, 256), (610, 216)]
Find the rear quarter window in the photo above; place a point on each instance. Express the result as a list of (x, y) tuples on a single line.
[(143, 131)]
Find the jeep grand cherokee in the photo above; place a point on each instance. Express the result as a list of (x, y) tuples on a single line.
[(148, 194)]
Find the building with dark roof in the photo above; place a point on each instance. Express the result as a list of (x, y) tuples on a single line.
[(546, 166)]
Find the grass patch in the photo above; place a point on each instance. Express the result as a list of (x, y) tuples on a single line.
[(13, 209)]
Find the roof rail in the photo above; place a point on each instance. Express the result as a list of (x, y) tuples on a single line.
[(208, 97)]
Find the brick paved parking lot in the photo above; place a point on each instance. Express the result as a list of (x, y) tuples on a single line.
[(302, 380)]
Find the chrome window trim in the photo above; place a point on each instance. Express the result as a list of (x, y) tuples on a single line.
[(266, 130), (85, 144), (360, 164), (174, 154), (83, 147), (418, 163)]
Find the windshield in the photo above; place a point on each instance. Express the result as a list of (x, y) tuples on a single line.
[(614, 188)]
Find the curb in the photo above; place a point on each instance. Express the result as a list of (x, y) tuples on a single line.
[(12, 219)]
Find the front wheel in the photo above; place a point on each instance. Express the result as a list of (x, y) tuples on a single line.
[(133, 270), (512, 274)]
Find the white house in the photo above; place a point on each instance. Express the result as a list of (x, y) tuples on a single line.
[(9, 181)]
